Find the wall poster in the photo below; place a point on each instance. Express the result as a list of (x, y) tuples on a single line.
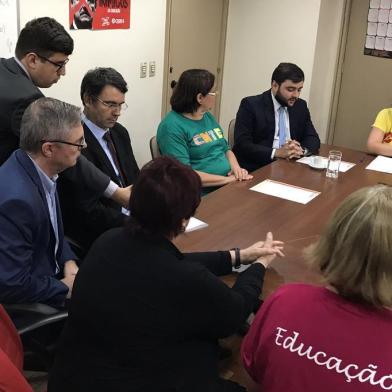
[(99, 14), (379, 29)]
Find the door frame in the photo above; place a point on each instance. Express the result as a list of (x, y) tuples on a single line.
[(221, 57), (339, 72)]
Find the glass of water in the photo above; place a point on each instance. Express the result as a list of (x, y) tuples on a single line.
[(334, 159)]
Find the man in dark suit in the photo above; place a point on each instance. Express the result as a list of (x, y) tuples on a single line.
[(41, 54), (36, 262), (276, 123), (108, 148)]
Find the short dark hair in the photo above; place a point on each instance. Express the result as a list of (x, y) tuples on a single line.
[(165, 193), (191, 83), (96, 79), (287, 71), (43, 36)]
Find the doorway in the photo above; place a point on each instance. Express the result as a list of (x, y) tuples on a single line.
[(195, 38)]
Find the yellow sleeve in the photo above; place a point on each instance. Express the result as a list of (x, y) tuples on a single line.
[(384, 120)]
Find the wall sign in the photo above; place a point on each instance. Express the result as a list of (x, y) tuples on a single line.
[(379, 29), (99, 14)]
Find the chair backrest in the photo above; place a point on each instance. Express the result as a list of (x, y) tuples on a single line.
[(154, 148), (230, 133)]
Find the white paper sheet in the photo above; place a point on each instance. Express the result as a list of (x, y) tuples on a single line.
[(373, 15), (381, 164), (388, 44), (389, 30), (375, 3), (195, 224), (370, 42), (372, 28), (285, 191), (380, 43), (381, 30), (344, 166), (386, 4), (383, 16)]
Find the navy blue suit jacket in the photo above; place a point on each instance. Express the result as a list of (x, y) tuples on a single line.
[(255, 129), (27, 239)]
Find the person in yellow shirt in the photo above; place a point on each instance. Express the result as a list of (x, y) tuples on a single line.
[(380, 137)]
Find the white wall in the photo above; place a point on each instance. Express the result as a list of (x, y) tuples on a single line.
[(260, 34), (263, 33), (120, 49)]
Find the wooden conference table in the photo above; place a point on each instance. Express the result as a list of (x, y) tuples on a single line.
[(238, 217)]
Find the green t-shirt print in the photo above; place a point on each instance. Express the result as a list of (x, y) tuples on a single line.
[(198, 143)]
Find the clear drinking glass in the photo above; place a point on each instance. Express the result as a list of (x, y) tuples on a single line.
[(334, 159)]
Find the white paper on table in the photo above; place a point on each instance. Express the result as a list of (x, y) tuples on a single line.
[(195, 224), (386, 4), (370, 42), (380, 43), (344, 166), (375, 3), (389, 30), (382, 30), (285, 191), (381, 164), (372, 28), (383, 16), (373, 15), (388, 44)]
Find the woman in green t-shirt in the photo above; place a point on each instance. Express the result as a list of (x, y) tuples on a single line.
[(191, 134)]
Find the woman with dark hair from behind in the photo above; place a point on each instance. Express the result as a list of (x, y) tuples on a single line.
[(338, 337), (145, 317), (191, 134)]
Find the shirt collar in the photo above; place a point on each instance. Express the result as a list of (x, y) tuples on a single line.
[(23, 67), (48, 183), (95, 129), (277, 105)]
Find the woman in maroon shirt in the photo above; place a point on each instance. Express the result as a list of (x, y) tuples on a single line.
[(337, 337)]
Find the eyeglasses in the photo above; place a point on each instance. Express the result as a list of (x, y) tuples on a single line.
[(81, 145), (112, 105), (59, 65), (213, 93)]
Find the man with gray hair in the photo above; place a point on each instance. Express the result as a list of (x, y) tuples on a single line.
[(36, 262)]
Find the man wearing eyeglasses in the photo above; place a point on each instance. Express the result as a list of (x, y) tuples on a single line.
[(36, 262), (41, 55), (109, 148)]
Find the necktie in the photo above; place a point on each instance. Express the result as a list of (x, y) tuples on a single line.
[(282, 126), (109, 141)]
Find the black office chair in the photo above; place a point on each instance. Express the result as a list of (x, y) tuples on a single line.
[(39, 327), (154, 148), (230, 133)]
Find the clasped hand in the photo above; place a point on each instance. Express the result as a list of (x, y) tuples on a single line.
[(263, 251), (290, 150)]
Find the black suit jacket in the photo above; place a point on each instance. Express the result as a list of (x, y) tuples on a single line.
[(87, 216), (17, 91), (255, 129), (144, 317)]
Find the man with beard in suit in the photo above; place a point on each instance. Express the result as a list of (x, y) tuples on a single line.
[(276, 123)]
